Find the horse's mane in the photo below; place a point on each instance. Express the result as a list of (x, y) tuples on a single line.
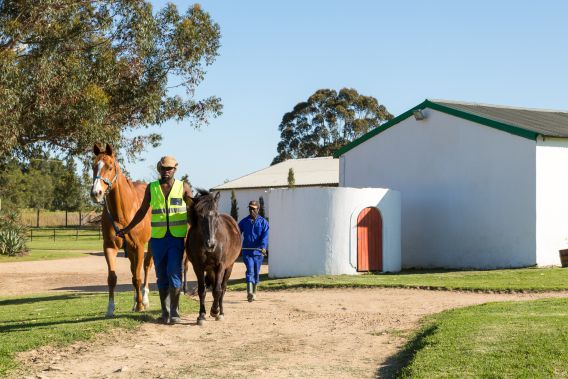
[(204, 201)]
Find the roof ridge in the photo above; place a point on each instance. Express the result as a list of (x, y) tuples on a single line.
[(495, 105), (271, 166)]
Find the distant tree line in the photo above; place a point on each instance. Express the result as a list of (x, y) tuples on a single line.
[(42, 183)]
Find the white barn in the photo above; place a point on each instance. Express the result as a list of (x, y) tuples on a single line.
[(482, 186), (308, 172)]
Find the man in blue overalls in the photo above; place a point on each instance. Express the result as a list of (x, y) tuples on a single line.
[(254, 229)]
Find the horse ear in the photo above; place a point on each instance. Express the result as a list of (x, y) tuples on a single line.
[(217, 196), (108, 150), (97, 149)]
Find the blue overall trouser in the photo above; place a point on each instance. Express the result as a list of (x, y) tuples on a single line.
[(253, 261), (168, 254)]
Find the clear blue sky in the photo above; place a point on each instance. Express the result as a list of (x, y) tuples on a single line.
[(275, 54)]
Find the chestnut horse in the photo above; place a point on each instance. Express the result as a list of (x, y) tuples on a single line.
[(213, 245), (121, 198)]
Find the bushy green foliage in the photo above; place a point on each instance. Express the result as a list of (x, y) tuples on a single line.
[(12, 235), (234, 206), (291, 178), (42, 183), (261, 207), (82, 71), (327, 121)]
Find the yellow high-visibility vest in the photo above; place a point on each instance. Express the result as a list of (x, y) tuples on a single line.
[(170, 214)]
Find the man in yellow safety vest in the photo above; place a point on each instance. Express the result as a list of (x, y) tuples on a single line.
[(169, 199)]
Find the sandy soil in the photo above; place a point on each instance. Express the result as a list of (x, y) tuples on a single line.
[(302, 333)]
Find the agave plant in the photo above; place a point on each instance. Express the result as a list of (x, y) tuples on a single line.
[(12, 235), (12, 243)]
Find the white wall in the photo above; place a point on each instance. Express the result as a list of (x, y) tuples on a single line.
[(313, 230), (552, 199), (468, 190), (243, 197)]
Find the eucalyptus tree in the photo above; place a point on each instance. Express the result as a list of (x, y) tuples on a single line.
[(75, 72), (326, 121)]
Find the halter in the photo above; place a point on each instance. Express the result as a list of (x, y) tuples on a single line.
[(108, 182), (107, 191)]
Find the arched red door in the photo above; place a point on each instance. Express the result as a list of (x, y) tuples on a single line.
[(369, 240)]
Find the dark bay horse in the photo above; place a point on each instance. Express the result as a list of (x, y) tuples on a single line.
[(123, 198), (213, 245)]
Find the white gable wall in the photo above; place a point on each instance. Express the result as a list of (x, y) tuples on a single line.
[(468, 190), (552, 199), (313, 231)]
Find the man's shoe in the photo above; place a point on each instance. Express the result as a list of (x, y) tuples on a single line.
[(254, 291), (165, 304), (174, 309), (250, 296)]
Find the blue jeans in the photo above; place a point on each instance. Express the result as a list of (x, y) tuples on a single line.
[(167, 253), (252, 262)]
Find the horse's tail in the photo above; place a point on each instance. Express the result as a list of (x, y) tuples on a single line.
[(209, 279)]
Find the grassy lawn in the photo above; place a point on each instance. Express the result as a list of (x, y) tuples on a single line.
[(65, 247), (525, 279), (33, 321), (526, 339), (66, 244), (43, 255)]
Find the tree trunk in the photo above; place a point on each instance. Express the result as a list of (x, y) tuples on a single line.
[(66, 218), (37, 218), (80, 219)]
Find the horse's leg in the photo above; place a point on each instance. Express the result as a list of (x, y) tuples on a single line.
[(110, 257), (148, 262), (224, 287), (217, 290), (185, 269), (201, 291), (136, 256)]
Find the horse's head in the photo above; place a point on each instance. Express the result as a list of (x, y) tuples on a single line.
[(105, 172), (207, 214)]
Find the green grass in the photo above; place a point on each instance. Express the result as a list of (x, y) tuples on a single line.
[(32, 321), (46, 249), (66, 244), (512, 280), (496, 340), (43, 255)]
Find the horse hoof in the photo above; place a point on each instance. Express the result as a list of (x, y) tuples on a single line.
[(219, 318), (200, 322)]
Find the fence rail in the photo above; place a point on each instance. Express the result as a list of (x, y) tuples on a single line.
[(54, 219), (64, 233)]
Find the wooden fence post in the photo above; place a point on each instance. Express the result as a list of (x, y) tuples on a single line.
[(53, 234)]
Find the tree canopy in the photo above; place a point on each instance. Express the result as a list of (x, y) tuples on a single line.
[(327, 121), (76, 72), (42, 183)]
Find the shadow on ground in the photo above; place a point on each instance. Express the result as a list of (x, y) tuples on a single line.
[(393, 366)]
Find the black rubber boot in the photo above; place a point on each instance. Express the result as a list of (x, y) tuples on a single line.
[(174, 312), (254, 291), (165, 304), (249, 292)]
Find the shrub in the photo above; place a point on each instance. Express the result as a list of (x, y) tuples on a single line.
[(234, 206), (12, 235)]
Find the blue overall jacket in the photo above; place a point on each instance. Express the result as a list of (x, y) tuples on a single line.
[(255, 233)]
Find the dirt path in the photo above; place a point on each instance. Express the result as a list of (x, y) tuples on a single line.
[(310, 333), (87, 273)]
